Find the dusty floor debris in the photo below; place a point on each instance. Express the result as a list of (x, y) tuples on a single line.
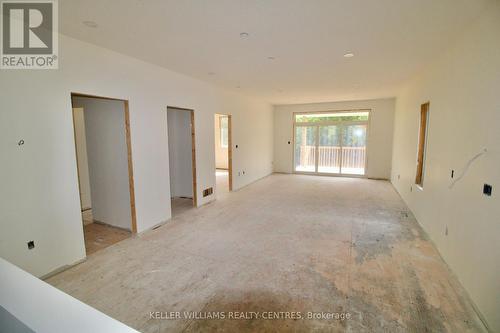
[(287, 243)]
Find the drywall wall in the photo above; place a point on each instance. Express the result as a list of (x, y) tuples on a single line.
[(35, 304), (83, 164), (379, 145), (9, 323), (221, 154), (39, 197), (462, 87), (180, 153), (107, 158)]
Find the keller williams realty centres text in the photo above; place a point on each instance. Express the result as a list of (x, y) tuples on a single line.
[(249, 315)]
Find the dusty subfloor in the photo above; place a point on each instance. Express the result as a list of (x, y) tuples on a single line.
[(180, 205), (221, 183), (99, 236), (286, 243)]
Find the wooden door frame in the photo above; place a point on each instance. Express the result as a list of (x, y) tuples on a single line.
[(129, 152), (422, 139), (230, 150), (229, 147), (193, 150)]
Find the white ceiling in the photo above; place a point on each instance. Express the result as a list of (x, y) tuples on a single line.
[(391, 40)]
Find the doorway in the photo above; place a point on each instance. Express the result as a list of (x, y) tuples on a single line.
[(223, 154), (331, 143), (104, 166), (182, 159)]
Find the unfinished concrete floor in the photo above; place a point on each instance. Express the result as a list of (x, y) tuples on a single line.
[(285, 243)]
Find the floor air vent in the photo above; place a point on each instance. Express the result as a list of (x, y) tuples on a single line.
[(208, 191)]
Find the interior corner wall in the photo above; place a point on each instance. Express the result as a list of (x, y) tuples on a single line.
[(39, 197), (462, 87), (221, 154), (107, 156), (379, 143), (180, 153)]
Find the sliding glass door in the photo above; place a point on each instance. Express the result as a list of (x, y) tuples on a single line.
[(329, 150), (305, 148), (354, 149), (331, 142)]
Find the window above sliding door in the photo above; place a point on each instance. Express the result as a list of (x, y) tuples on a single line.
[(331, 142), (329, 117)]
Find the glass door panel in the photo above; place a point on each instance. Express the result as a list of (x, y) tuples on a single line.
[(305, 148), (354, 150), (329, 149)]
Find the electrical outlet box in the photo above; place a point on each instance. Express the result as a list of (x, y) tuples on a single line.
[(487, 189), (31, 245)]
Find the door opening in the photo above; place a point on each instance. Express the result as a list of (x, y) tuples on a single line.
[(223, 154), (331, 143), (104, 166), (182, 159)]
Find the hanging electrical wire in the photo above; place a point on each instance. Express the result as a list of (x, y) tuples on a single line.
[(466, 168)]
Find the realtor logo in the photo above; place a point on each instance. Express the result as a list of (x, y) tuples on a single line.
[(29, 35)]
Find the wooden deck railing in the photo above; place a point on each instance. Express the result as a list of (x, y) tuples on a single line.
[(329, 156)]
